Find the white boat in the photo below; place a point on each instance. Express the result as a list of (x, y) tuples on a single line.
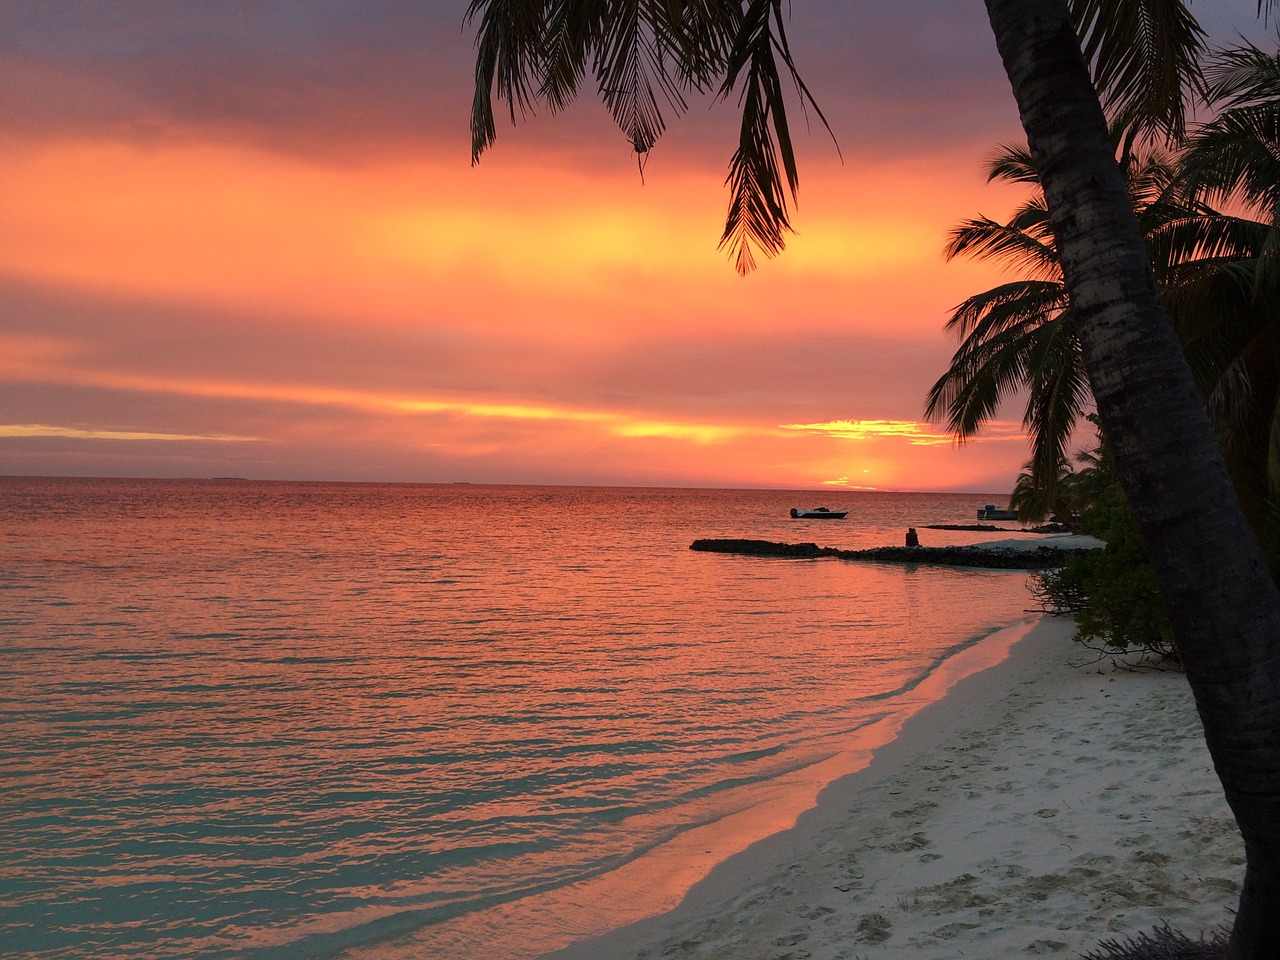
[(818, 513), (992, 512)]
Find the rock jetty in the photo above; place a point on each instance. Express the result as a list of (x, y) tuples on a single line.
[(995, 558)]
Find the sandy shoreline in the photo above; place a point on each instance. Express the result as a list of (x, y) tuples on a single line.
[(1038, 808)]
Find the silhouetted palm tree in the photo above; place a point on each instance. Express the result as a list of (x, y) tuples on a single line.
[(1020, 334), (1076, 490), (1216, 588), (1223, 274)]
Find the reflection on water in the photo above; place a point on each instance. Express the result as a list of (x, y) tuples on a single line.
[(239, 716)]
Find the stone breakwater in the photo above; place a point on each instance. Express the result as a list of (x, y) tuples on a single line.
[(999, 558)]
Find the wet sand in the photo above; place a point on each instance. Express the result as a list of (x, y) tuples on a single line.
[(1043, 805)]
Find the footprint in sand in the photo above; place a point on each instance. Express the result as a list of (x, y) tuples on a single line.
[(1040, 947), (917, 841), (874, 928), (816, 913)]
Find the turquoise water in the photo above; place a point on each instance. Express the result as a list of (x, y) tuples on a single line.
[(283, 719)]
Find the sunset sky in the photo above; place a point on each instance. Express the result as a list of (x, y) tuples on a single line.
[(245, 239)]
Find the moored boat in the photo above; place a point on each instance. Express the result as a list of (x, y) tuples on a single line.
[(818, 513), (992, 512)]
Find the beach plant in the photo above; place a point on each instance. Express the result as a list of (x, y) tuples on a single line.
[(1124, 615), (1065, 62), (1111, 592), (1163, 943)]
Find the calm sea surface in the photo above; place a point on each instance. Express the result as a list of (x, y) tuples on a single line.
[(278, 720)]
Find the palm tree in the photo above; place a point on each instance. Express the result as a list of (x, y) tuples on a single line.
[(1224, 274), (1215, 585), (1037, 501), (1015, 335), (1020, 334)]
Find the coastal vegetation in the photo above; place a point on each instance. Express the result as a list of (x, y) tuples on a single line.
[(1072, 66), (1112, 592), (1217, 276)]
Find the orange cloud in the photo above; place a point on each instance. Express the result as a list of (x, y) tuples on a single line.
[(75, 433), (630, 445), (916, 433), (577, 313), (502, 246)]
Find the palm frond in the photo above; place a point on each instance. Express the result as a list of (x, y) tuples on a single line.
[(1234, 159), (1059, 391), (1013, 163), (1145, 58), (509, 56), (1203, 239), (997, 356), (701, 33), (1218, 313), (975, 385), (573, 28), (1014, 244), (758, 214), (1242, 75), (1008, 304), (633, 69)]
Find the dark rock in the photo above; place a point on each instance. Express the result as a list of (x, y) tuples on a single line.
[(972, 556), (762, 548)]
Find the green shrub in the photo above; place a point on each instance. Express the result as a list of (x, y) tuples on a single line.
[(1111, 591)]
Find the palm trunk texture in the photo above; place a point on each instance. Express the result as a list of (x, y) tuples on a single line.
[(1218, 592)]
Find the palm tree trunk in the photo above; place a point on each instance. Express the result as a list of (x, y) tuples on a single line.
[(1217, 590)]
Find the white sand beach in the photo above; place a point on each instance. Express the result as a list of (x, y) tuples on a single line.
[(1042, 806), (1063, 541)]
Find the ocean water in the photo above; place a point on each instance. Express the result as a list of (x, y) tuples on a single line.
[(303, 720)]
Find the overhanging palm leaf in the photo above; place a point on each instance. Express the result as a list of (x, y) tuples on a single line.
[(1025, 242), (646, 56), (630, 66), (1145, 57), (509, 54)]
